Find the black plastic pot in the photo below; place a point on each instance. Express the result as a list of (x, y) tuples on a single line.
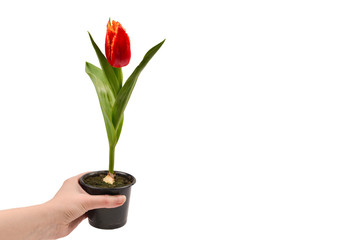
[(108, 218)]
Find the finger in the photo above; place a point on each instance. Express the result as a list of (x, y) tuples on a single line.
[(103, 201), (77, 177), (73, 183), (74, 178)]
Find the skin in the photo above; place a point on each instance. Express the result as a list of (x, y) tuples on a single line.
[(56, 218)]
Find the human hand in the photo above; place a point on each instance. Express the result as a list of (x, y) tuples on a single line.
[(71, 203)]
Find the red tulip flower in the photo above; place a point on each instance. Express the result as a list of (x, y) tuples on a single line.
[(117, 45)]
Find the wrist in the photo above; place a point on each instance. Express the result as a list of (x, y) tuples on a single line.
[(46, 226), (50, 221)]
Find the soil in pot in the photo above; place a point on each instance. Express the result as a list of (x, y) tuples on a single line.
[(97, 181)]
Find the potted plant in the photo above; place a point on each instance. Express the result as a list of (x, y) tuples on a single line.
[(113, 96)]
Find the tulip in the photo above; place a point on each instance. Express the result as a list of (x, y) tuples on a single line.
[(117, 45)]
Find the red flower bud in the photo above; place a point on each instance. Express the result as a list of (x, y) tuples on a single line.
[(117, 45)]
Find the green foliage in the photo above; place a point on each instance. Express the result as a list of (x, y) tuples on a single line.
[(113, 96), (124, 94)]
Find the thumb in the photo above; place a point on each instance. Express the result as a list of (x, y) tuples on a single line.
[(103, 201)]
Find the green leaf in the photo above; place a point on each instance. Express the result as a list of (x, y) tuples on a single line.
[(124, 94), (106, 98), (107, 68)]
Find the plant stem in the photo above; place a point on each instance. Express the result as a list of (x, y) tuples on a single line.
[(120, 76), (111, 158)]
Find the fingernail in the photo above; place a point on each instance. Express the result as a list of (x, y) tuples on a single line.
[(121, 199)]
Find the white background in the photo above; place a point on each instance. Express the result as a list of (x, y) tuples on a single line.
[(245, 124)]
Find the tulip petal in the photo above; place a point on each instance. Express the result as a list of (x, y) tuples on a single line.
[(110, 32), (120, 47), (117, 45)]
